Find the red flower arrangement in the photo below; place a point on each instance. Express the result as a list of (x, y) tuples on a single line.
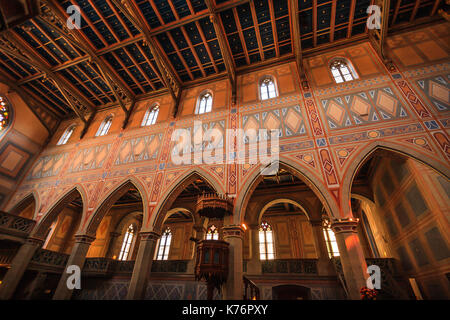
[(368, 294)]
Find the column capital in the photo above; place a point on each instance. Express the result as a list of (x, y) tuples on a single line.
[(34, 241), (84, 238), (149, 236), (344, 225), (233, 231), (316, 223)]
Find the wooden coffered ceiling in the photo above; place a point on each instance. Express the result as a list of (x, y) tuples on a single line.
[(127, 50)]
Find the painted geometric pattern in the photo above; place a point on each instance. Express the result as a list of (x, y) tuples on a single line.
[(178, 291), (90, 158), (139, 149), (204, 133), (288, 120), (48, 166), (437, 89), (109, 290), (363, 108)]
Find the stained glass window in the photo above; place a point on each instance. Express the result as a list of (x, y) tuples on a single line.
[(213, 233), (268, 90), (204, 103), (126, 243), (4, 113), (150, 116), (266, 251), (164, 245), (341, 71)]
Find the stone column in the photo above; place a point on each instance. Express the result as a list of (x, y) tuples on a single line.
[(324, 265), (351, 255), (77, 257), (254, 264), (233, 288), (36, 285), (143, 265), (112, 243), (18, 266), (200, 232)]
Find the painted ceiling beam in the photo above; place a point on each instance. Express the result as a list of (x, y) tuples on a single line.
[(13, 46), (297, 45), (54, 17), (378, 36), (167, 74), (224, 48)]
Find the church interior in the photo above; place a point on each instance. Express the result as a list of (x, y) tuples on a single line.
[(93, 94)]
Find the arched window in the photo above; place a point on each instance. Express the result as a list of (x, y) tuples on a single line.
[(204, 103), (164, 245), (104, 127), (212, 233), (267, 88), (150, 116), (66, 135), (49, 234), (126, 243), (342, 71), (330, 239), (266, 242), (4, 113)]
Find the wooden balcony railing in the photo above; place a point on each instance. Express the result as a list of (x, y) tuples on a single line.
[(105, 266), (7, 255), (289, 266), (12, 226), (48, 258), (179, 266), (251, 290)]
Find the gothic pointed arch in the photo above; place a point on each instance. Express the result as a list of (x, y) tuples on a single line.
[(110, 198), (24, 203), (365, 153), (294, 168), (163, 206), (47, 219)]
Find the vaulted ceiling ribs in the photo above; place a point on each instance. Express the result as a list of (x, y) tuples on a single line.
[(126, 50)]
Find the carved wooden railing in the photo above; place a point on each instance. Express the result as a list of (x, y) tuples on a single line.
[(251, 290), (289, 266), (14, 225), (106, 266), (179, 266), (7, 255), (47, 258)]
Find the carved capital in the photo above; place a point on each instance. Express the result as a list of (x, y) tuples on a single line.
[(344, 225), (149, 236), (34, 241), (84, 238), (233, 231)]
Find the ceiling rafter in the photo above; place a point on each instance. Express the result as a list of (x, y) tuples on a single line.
[(295, 34), (55, 17), (224, 48), (168, 76), (13, 46), (378, 36)]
